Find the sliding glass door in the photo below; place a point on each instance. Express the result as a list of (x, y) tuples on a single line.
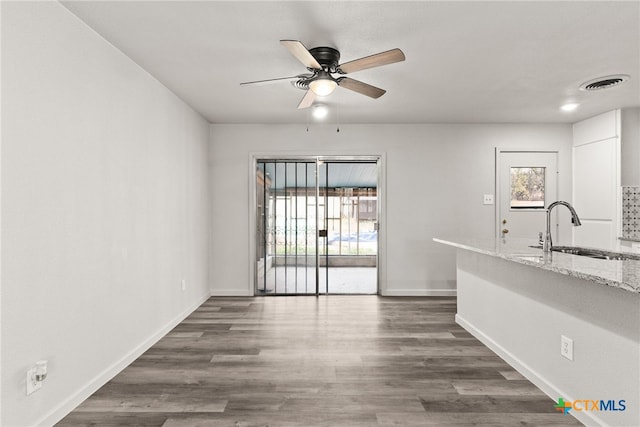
[(316, 226)]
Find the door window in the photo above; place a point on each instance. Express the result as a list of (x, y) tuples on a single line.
[(527, 187)]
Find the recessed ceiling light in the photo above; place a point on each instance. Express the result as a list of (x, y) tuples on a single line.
[(320, 111), (569, 107)]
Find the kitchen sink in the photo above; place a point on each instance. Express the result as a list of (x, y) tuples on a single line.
[(595, 253)]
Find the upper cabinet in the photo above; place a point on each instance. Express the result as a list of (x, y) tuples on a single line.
[(630, 146), (606, 179), (596, 180)]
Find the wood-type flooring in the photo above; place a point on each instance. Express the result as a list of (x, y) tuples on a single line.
[(327, 361)]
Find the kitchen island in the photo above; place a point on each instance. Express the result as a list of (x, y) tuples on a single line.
[(520, 303)]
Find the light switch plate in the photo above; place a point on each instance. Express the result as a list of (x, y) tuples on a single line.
[(488, 199)]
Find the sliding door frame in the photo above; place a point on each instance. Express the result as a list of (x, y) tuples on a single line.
[(381, 208)]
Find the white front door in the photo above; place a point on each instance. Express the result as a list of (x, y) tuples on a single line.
[(527, 183)]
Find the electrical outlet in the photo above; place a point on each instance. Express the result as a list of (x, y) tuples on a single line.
[(566, 347), (487, 199), (32, 385), (183, 285)]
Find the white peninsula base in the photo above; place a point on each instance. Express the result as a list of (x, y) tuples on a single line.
[(521, 311)]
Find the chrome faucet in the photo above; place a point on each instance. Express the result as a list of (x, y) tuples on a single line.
[(547, 244)]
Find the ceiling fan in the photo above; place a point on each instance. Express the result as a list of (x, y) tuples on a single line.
[(322, 62)]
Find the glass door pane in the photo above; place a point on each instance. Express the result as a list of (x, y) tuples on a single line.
[(286, 227), (323, 272), (350, 248)]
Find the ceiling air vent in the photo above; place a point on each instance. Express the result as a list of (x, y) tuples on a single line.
[(604, 82)]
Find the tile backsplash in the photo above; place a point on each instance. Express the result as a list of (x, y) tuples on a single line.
[(631, 213)]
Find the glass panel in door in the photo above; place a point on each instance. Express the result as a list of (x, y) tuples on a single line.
[(350, 217), (285, 227)]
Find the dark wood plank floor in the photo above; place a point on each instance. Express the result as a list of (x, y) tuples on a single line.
[(328, 361)]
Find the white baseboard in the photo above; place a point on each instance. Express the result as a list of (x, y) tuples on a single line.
[(538, 380), (230, 293), (388, 293), (105, 376), (420, 293)]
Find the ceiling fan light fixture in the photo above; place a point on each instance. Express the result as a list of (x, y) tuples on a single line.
[(323, 86)]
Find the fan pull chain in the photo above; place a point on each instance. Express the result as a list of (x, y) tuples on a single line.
[(337, 118)]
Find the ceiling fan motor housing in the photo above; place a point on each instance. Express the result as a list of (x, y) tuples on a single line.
[(328, 57)]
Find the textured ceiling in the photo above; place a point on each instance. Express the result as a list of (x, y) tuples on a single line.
[(467, 62)]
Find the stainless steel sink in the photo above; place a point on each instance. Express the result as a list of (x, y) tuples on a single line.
[(595, 253)]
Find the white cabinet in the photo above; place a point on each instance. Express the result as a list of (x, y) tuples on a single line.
[(630, 146), (596, 180), (629, 246)]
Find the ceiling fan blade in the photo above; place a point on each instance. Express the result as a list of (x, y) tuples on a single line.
[(307, 100), (298, 50), (382, 58), (362, 88), (270, 80)]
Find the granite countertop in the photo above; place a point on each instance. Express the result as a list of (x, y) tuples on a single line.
[(617, 274), (629, 239)]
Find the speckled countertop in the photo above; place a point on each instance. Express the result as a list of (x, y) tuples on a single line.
[(629, 239), (617, 274)]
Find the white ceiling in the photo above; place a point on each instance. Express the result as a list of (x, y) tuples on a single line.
[(467, 62)]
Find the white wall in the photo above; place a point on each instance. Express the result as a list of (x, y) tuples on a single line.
[(436, 176), (596, 180), (104, 210)]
